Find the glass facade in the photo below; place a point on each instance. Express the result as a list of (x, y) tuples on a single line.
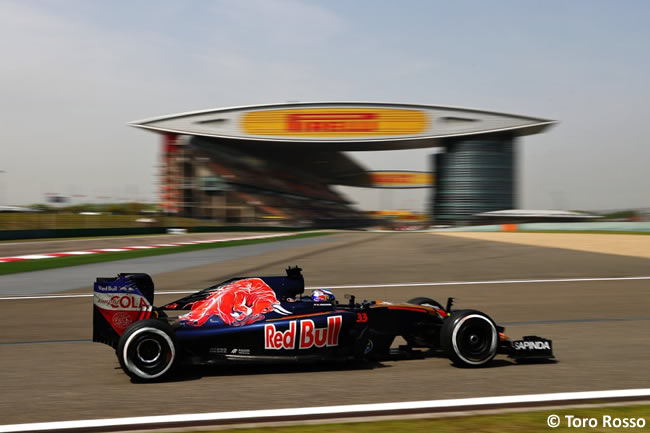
[(473, 175)]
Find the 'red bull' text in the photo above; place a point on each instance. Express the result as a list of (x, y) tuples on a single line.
[(308, 336)]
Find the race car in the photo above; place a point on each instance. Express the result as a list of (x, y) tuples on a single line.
[(268, 319)]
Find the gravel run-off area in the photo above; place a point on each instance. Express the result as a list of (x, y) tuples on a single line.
[(620, 244)]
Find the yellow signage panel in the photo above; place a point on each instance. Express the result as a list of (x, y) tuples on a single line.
[(335, 122), (401, 179)]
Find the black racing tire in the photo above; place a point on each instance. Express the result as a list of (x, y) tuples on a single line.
[(148, 350), (420, 300), (469, 338)]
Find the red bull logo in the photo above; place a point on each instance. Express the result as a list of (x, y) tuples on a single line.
[(309, 335), (239, 303)]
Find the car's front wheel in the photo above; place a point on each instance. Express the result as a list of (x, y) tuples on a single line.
[(147, 350), (469, 338)]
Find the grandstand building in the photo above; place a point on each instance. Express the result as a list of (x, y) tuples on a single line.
[(279, 162)]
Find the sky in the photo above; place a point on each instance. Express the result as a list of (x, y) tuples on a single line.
[(75, 72)]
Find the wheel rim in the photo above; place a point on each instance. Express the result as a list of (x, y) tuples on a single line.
[(475, 339), (148, 350), (149, 353)]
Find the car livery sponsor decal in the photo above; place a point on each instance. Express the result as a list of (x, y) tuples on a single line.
[(123, 302), (121, 305), (531, 345), (241, 302), (303, 334), (117, 288), (121, 320)]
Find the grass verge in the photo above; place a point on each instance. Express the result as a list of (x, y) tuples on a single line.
[(60, 262), (530, 422)]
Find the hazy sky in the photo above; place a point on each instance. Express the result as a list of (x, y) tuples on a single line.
[(75, 72)]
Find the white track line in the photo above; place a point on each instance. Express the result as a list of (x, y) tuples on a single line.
[(371, 286), (357, 410)]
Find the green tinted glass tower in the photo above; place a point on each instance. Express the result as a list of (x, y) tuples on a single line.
[(472, 176)]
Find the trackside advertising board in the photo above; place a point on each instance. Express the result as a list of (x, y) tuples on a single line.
[(401, 179), (335, 122)]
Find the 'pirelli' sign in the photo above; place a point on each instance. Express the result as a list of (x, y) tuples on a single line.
[(400, 179), (335, 122)]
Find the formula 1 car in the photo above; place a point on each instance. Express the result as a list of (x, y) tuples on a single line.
[(269, 319)]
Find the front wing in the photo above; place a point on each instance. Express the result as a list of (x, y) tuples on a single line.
[(529, 347)]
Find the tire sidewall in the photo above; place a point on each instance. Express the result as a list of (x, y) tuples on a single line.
[(449, 338), (150, 329)]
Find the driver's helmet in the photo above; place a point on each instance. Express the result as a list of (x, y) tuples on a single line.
[(322, 295)]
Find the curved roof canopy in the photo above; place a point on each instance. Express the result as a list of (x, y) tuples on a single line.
[(343, 126)]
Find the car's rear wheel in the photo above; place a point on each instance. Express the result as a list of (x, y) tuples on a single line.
[(469, 338), (147, 350)]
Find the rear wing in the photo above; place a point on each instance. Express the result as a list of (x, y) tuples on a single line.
[(118, 302)]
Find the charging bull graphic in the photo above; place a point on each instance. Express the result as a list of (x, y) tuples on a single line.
[(238, 303)]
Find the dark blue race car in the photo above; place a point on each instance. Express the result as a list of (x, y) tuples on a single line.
[(258, 319)]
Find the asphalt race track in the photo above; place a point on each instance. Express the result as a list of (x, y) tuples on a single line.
[(51, 372)]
